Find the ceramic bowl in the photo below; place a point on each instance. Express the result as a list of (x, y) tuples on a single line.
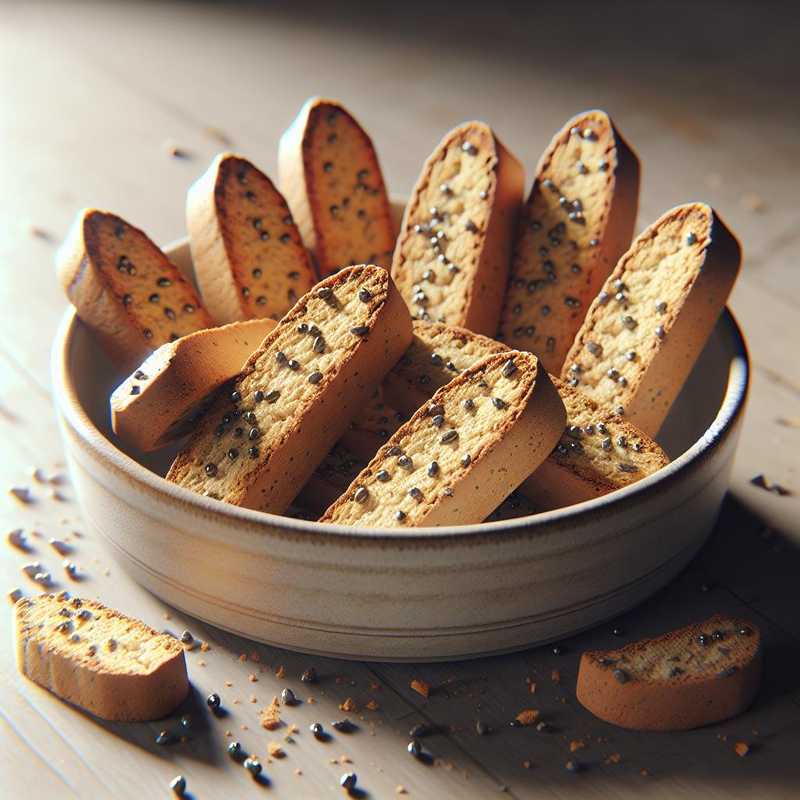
[(434, 593)]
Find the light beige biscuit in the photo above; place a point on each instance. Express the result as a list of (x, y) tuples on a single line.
[(266, 431), (113, 666), (329, 172), (463, 453), (693, 676), (577, 222), (249, 259), (648, 325), (452, 256)]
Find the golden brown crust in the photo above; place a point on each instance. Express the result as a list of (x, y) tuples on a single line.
[(461, 454), (159, 401), (329, 172), (248, 256), (645, 330), (265, 433), (677, 681), (577, 222), (452, 256), (111, 665), (125, 289)]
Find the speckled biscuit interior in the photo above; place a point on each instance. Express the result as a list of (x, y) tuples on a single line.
[(688, 677), (112, 665), (330, 174), (598, 452), (452, 256), (498, 420), (266, 432), (249, 258), (577, 222), (647, 326)]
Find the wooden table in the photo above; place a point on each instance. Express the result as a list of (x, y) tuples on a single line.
[(92, 98)]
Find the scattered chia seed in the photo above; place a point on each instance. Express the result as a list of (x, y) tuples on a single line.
[(288, 697), (213, 701), (178, 785)]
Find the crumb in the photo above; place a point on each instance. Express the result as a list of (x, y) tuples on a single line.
[(526, 763), (531, 686), (205, 647), (201, 663), (298, 772), (294, 728), (311, 700), (242, 657), (40, 233), (252, 677), (21, 493), (741, 749), (400, 789), (229, 684), (174, 151), (280, 673), (254, 656), (244, 727), (167, 615), (644, 773), (576, 744), (375, 687), (789, 422), (236, 701), (527, 716), (270, 717), (15, 595), (218, 135), (555, 676), (228, 734), (275, 750), (345, 760), (253, 698), (614, 758), (372, 706), (421, 687), (348, 705)]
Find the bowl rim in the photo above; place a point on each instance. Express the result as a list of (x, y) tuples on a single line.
[(577, 515)]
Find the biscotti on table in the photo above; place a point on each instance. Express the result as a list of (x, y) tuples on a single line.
[(597, 452), (125, 289), (249, 259), (266, 432), (452, 256), (111, 665), (694, 676), (577, 222), (329, 172), (160, 400), (646, 328), (461, 454)]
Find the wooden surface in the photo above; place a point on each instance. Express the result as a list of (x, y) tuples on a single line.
[(90, 97)]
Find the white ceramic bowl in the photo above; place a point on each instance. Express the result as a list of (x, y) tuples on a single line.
[(434, 593)]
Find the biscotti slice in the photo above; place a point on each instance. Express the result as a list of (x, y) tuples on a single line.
[(372, 426), (462, 453), (125, 289), (113, 666), (598, 451), (159, 402), (690, 677), (648, 325), (248, 257), (577, 222), (329, 172), (266, 432), (452, 256)]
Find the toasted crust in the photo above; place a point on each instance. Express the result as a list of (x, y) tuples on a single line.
[(265, 433), (463, 453), (248, 256), (597, 454), (688, 260), (158, 403), (577, 222), (113, 666), (674, 682), (125, 289), (329, 172), (452, 256)]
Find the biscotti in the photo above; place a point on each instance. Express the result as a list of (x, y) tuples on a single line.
[(372, 426), (577, 222), (329, 172), (452, 257), (266, 432), (646, 328), (331, 478), (125, 289), (113, 666), (597, 454), (462, 453), (690, 677), (160, 400), (249, 259)]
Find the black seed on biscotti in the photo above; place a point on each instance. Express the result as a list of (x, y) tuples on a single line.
[(465, 460), (254, 434), (148, 334), (383, 476), (315, 377), (405, 462), (318, 731), (359, 330), (361, 495), (482, 728), (233, 454), (414, 748), (288, 697), (557, 650), (621, 676), (433, 469), (211, 470), (348, 781), (213, 701), (293, 365), (188, 308), (437, 421), (509, 368), (344, 726), (328, 166), (702, 640), (252, 452), (399, 515), (449, 436), (497, 402)]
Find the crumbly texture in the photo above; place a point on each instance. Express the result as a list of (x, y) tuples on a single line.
[(162, 399), (125, 289), (267, 431), (462, 453), (452, 256), (330, 174), (577, 222), (111, 665), (597, 453), (646, 328), (248, 256), (693, 676)]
